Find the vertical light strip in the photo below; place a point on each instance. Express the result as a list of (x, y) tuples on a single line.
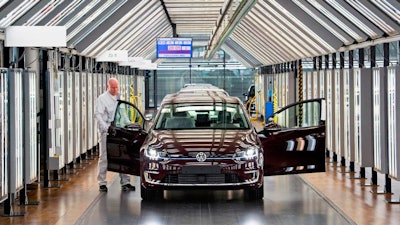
[(338, 104), (346, 114), (329, 121), (392, 117), (376, 119), (357, 115)]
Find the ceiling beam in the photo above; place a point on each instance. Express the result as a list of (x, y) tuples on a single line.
[(218, 35), (173, 25)]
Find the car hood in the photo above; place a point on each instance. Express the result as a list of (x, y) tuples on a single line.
[(209, 140)]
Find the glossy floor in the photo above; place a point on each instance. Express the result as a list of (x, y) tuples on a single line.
[(322, 198)]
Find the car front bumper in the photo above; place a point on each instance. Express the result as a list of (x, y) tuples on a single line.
[(218, 174)]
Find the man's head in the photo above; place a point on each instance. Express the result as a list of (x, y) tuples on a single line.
[(112, 86)]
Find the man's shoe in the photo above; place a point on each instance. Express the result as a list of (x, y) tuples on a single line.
[(103, 188), (128, 187)]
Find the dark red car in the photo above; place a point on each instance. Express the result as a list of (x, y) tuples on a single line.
[(205, 139)]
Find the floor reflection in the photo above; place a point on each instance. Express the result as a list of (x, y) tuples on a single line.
[(287, 200)]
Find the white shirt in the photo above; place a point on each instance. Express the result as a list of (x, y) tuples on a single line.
[(104, 111)]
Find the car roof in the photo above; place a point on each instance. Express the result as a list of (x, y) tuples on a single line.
[(198, 88), (202, 95)]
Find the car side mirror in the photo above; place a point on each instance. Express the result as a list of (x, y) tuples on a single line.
[(271, 126)]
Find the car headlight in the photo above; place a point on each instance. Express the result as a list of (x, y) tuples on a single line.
[(246, 154), (155, 154)]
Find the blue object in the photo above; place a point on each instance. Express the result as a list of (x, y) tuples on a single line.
[(269, 110)]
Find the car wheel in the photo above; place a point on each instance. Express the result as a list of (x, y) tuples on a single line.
[(151, 194), (254, 193)]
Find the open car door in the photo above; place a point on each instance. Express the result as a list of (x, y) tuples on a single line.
[(124, 139), (294, 139)]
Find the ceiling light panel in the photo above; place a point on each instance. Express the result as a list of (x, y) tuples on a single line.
[(390, 7), (273, 33), (38, 16), (2, 2), (285, 29), (325, 22), (82, 13), (205, 15), (356, 18), (252, 40), (17, 12), (339, 19), (64, 13), (252, 49), (302, 30), (99, 13), (134, 19), (374, 15)]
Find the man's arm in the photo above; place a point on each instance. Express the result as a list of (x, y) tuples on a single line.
[(99, 115)]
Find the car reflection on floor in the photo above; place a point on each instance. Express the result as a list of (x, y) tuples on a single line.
[(288, 200)]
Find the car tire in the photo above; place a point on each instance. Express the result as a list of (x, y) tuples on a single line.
[(151, 194), (252, 194)]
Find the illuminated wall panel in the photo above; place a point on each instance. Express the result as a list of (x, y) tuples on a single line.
[(321, 83), (16, 134), (329, 110), (55, 115), (316, 87), (96, 93), (393, 103), (84, 110), (77, 117), (68, 118), (4, 134), (259, 87), (90, 114), (123, 87), (310, 85), (141, 92), (30, 131), (347, 126), (336, 109), (362, 117), (380, 120)]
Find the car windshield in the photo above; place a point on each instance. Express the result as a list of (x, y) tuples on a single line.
[(201, 116)]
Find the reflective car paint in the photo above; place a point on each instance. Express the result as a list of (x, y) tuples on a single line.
[(175, 161), (219, 146)]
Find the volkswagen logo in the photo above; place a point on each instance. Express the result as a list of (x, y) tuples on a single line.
[(201, 156)]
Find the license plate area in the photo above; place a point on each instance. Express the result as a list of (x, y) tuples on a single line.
[(201, 170)]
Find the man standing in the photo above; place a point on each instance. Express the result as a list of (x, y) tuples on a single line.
[(104, 113)]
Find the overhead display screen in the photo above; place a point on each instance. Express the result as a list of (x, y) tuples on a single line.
[(174, 47)]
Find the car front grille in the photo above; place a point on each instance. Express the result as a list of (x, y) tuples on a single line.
[(201, 179)]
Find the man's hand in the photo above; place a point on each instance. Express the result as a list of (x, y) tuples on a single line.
[(111, 130)]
